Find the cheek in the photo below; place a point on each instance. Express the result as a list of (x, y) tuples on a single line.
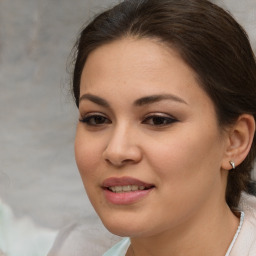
[(185, 172), (88, 153), (187, 157), (88, 158)]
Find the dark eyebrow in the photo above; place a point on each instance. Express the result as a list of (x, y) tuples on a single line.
[(139, 102), (156, 98), (94, 99)]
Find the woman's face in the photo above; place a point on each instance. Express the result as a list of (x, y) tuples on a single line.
[(148, 146)]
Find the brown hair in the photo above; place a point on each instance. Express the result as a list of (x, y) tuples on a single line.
[(207, 38)]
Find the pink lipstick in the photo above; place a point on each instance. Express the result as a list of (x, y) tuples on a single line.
[(125, 190)]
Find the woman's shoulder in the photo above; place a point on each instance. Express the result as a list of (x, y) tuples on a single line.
[(246, 241), (119, 249), (248, 206)]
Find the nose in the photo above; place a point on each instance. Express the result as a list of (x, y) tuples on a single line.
[(122, 148)]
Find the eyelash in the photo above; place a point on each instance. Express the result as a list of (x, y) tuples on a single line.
[(99, 120), (94, 117), (164, 120)]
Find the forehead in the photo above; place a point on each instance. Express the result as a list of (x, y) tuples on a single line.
[(138, 66), (130, 49)]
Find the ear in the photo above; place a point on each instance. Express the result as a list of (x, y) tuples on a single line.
[(240, 138)]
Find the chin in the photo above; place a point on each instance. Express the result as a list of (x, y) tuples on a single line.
[(123, 228)]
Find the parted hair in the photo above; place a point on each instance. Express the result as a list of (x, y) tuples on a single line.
[(207, 38)]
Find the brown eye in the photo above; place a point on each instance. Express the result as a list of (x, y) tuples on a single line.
[(95, 120), (158, 120)]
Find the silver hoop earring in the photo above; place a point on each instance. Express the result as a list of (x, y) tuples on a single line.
[(232, 164)]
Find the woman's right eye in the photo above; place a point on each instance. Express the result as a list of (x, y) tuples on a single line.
[(95, 120)]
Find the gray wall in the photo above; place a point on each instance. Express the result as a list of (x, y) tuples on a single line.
[(38, 175)]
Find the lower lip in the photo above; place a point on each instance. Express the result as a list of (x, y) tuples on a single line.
[(126, 198)]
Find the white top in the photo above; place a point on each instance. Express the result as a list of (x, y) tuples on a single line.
[(119, 249), (21, 237), (245, 244)]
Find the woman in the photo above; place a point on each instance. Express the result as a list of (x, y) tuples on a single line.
[(165, 141)]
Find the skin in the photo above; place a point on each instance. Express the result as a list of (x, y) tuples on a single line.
[(183, 152)]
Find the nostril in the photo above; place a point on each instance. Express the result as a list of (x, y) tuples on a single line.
[(119, 163), (127, 161)]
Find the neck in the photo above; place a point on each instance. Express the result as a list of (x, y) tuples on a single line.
[(208, 233)]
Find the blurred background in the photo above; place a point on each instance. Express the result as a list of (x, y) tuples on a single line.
[(38, 174)]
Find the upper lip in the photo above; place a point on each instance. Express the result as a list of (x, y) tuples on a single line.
[(124, 181)]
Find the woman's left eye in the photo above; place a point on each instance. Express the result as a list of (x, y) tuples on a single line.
[(157, 120)]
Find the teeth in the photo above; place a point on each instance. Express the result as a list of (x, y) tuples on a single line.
[(134, 187), (128, 188)]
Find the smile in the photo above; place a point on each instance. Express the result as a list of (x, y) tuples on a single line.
[(125, 190), (129, 188)]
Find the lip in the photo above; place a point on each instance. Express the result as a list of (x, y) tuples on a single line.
[(125, 198), (124, 181)]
